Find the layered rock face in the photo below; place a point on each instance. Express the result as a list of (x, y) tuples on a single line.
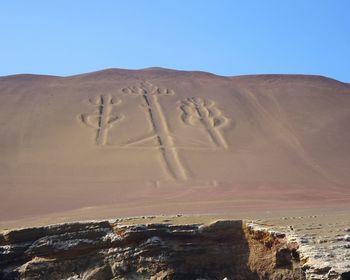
[(225, 249)]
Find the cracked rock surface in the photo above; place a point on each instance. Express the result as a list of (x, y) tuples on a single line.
[(149, 248), (323, 243)]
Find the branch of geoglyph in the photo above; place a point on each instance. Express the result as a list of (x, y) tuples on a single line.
[(199, 112), (93, 119), (196, 111)]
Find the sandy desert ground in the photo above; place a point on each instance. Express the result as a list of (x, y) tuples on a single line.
[(157, 141)]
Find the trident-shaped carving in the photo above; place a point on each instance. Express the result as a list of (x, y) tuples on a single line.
[(195, 111), (101, 119)]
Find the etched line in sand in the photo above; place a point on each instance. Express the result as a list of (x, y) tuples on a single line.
[(101, 119), (171, 160), (200, 112)]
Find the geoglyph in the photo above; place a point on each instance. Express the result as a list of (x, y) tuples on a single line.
[(196, 112)]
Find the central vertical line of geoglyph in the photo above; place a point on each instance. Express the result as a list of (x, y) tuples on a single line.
[(165, 142)]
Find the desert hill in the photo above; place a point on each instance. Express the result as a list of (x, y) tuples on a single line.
[(152, 141)]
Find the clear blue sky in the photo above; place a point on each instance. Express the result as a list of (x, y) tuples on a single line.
[(226, 37)]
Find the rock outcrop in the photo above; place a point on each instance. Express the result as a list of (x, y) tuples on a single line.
[(224, 249), (113, 250), (322, 245)]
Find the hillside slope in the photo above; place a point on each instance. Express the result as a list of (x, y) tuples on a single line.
[(158, 141)]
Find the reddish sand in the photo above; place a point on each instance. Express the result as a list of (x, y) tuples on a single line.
[(158, 141)]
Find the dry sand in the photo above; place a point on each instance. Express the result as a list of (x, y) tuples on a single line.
[(156, 141)]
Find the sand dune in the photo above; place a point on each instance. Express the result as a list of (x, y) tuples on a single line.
[(159, 141)]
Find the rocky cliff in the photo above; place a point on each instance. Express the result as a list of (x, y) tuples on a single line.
[(111, 250), (118, 249)]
